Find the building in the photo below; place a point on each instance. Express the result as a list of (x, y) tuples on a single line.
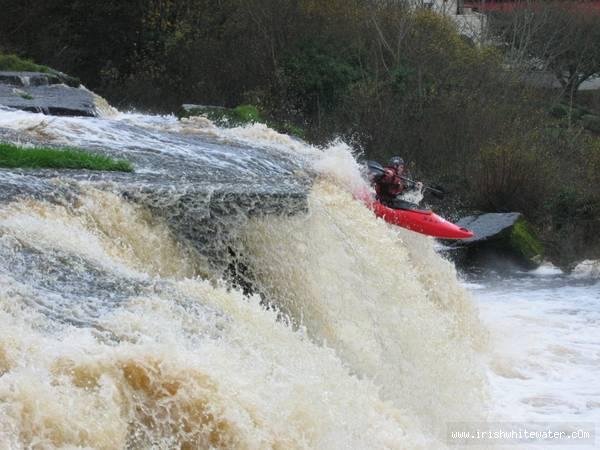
[(470, 22)]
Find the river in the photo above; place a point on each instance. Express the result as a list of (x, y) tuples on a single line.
[(544, 353), (116, 333)]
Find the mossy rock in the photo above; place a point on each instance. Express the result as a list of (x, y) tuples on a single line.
[(223, 117), (501, 236), (518, 244), (523, 241), (238, 116), (14, 63), (246, 114), (289, 128)]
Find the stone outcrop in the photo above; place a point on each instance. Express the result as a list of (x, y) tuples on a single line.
[(198, 187), (46, 93), (499, 237), (222, 116), (238, 116)]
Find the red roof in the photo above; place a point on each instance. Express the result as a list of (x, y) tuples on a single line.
[(500, 5)]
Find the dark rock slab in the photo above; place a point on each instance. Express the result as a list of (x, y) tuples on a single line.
[(226, 117), (206, 214), (56, 100), (501, 239), (45, 93), (487, 226), (25, 79)]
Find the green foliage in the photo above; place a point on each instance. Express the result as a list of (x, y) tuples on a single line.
[(515, 175), (318, 74), (564, 205), (386, 77), (400, 78), (559, 111), (13, 156), (12, 63), (591, 122)]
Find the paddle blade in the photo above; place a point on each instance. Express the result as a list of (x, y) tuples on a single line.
[(437, 191), (376, 170)]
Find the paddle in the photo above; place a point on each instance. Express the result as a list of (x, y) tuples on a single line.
[(378, 170), (375, 167)]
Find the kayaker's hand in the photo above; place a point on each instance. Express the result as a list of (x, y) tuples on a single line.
[(419, 185)]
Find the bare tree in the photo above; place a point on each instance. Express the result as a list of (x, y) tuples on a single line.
[(561, 37)]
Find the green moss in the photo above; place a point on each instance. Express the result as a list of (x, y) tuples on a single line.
[(13, 156), (12, 63), (246, 114), (240, 115), (289, 128), (523, 241), (26, 96), (225, 117)]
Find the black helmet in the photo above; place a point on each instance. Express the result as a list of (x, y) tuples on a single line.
[(396, 161)]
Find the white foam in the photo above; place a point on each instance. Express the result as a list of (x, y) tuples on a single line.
[(547, 269), (587, 269), (545, 342)]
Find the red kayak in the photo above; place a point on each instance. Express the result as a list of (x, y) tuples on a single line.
[(422, 221)]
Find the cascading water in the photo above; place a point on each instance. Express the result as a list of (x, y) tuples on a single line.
[(117, 331)]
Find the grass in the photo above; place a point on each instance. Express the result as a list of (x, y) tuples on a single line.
[(12, 63), (13, 156)]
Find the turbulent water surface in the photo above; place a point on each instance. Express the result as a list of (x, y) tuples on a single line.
[(116, 331), (545, 344)]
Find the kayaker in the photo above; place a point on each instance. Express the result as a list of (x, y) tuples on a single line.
[(390, 185)]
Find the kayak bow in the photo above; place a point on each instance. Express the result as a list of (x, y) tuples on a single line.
[(422, 221)]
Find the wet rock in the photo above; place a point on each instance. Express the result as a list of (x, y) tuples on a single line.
[(240, 115), (206, 214), (204, 189), (222, 116), (24, 79), (45, 93), (499, 238)]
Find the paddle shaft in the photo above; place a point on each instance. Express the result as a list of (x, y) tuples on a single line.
[(374, 165), (424, 187)]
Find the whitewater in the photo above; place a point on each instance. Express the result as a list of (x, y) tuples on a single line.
[(346, 332)]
